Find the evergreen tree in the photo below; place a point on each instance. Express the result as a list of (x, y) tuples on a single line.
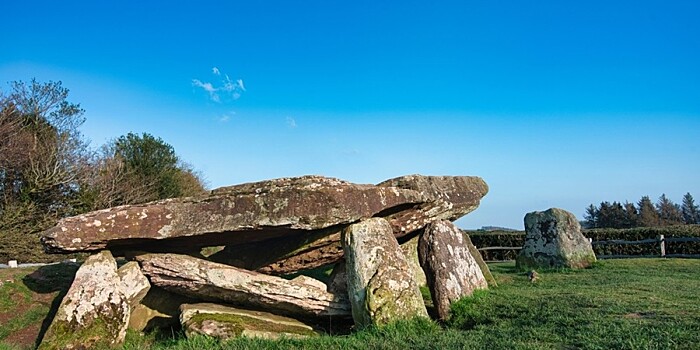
[(617, 215), (648, 216), (631, 215), (605, 215), (591, 217), (691, 213), (669, 212)]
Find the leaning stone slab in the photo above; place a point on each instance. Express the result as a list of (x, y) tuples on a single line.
[(476, 254), (410, 250), (244, 213), (225, 323), (94, 313), (134, 283), (159, 309), (217, 282), (381, 284), (441, 197), (451, 271), (553, 239)]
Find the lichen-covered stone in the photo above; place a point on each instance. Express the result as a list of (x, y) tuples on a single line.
[(309, 281), (135, 285), (207, 280), (410, 250), (94, 313), (225, 323), (441, 197), (231, 215), (381, 285), (451, 270), (553, 240)]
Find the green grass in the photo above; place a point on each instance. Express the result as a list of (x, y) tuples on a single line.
[(616, 304)]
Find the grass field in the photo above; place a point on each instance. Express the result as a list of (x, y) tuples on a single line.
[(617, 304)]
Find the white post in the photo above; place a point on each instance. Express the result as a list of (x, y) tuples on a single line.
[(12, 263), (662, 245)]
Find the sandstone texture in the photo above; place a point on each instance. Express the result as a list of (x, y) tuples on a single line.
[(554, 240), (236, 214), (94, 313), (225, 322), (159, 309), (134, 283), (410, 250), (451, 271), (380, 282), (211, 281)]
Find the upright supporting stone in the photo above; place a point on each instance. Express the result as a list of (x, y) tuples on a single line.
[(450, 269), (410, 250), (553, 240), (94, 313), (381, 284)]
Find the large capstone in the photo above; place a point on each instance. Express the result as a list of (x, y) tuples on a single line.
[(381, 284), (451, 270), (209, 281), (95, 312), (553, 240), (277, 226)]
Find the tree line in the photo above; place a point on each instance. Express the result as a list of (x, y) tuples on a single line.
[(644, 214), (48, 171)]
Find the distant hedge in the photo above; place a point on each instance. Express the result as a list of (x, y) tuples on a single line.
[(482, 239)]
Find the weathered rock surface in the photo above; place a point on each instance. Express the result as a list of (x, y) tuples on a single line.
[(476, 254), (133, 283), (94, 313), (381, 284), (231, 215), (554, 239), (309, 281), (451, 271), (217, 282), (338, 280), (224, 323), (410, 250), (159, 309), (441, 197)]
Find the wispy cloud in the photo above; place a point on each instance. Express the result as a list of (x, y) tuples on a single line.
[(226, 89), (226, 117), (291, 122)]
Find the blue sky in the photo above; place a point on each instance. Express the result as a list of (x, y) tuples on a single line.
[(554, 104)]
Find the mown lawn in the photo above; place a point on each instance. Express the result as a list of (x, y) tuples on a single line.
[(617, 304)]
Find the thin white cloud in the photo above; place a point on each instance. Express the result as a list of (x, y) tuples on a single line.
[(227, 89), (226, 117), (291, 122)]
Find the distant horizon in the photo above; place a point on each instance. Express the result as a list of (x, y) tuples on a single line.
[(553, 104)]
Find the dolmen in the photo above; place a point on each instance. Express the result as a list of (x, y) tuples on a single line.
[(265, 232)]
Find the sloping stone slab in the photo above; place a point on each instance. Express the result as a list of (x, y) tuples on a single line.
[(451, 271), (476, 254), (159, 309), (225, 323), (217, 282), (442, 198), (94, 313), (381, 284), (553, 239), (231, 215)]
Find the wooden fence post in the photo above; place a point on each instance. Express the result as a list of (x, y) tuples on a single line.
[(662, 245)]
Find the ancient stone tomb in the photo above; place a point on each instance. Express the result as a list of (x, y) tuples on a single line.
[(269, 230)]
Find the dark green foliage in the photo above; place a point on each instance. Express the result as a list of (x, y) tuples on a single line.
[(590, 217), (641, 233), (648, 217), (669, 212), (691, 213), (482, 239)]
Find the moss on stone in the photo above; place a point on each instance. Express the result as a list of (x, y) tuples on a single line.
[(237, 324), (64, 335)]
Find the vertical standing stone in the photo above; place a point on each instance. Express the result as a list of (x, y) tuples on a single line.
[(135, 285), (410, 250), (94, 313), (450, 269), (553, 239), (381, 284)]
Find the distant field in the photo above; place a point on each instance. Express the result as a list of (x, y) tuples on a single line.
[(617, 304)]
